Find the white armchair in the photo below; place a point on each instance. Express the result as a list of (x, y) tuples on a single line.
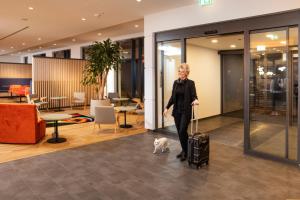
[(106, 115), (78, 98)]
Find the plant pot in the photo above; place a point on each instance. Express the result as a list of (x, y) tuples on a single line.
[(95, 103)]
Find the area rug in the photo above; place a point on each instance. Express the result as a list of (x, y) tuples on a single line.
[(76, 119)]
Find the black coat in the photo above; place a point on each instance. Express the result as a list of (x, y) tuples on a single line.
[(189, 96)]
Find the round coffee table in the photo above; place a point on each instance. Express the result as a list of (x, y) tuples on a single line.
[(55, 118), (124, 109), (121, 100)]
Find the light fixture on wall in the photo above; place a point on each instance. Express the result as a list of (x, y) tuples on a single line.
[(260, 47), (283, 42), (272, 36)]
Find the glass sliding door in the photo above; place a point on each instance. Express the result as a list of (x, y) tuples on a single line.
[(168, 60), (273, 84)]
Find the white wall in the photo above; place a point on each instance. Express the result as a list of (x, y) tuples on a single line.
[(11, 59), (205, 66), (192, 15)]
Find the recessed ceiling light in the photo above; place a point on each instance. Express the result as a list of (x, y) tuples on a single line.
[(54, 44), (73, 40), (99, 34), (138, 0), (233, 46), (40, 47), (136, 26), (11, 47), (23, 43), (83, 19), (39, 39), (214, 41), (30, 8), (96, 15)]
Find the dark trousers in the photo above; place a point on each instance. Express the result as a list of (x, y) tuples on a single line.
[(182, 122)]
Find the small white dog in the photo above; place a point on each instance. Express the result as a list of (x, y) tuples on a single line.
[(160, 145)]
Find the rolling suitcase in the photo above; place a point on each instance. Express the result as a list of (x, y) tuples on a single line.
[(198, 146)]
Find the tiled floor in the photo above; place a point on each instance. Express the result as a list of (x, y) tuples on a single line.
[(125, 168)]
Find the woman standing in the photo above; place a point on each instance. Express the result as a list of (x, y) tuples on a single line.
[(183, 98)]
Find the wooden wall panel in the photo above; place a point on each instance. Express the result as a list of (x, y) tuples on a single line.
[(59, 77), (15, 70)]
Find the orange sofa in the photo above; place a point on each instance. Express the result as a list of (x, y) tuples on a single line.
[(19, 124)]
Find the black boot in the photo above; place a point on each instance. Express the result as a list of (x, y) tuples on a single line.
[(183, 157), (179, 155)]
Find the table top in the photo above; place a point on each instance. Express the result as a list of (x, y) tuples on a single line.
[(124, 108), (55, 116), (121, 99), (58, 98)]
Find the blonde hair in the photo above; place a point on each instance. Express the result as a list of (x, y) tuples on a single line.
[(185, 67)]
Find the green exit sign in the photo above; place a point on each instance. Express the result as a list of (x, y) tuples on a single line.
[(205, 2)]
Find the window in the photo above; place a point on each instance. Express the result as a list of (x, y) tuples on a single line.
[(62, 54), (84, 54), (26, 60), (40, 55)]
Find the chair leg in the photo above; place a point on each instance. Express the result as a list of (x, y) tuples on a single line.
[(99, 126)]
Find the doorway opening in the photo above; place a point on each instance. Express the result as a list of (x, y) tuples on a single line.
[(216, 65)]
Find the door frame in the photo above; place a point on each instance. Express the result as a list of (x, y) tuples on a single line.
[(243, 25)]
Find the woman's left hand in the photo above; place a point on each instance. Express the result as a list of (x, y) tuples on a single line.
[(195, 102)]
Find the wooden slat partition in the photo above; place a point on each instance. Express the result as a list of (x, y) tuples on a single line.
[(15, 70), (59, 77)]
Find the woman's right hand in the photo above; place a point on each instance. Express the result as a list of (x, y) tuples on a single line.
[(165, 112)]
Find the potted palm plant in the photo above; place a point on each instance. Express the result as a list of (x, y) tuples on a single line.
[(102, 57)]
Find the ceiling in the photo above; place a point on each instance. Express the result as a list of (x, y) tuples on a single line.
[(54, 21), (221, 42)]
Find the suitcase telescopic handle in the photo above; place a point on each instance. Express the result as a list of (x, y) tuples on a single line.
[(192, 121)]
